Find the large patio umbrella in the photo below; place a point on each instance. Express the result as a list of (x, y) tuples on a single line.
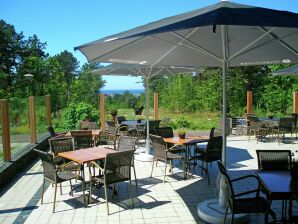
[(293, 71), (223, 35), (147, 72)]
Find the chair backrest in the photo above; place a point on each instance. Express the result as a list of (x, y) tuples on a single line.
[(214, 148), (82, 139), (165, 121), (153, 126), (214, 132), (165, 132), (51, 131), (274, 160), (49, 168), (227, 181), (117, 166), (286, 123), (120, 119), (62, 144), (159, 146), (90, 125), (126, 143), (254, 121)]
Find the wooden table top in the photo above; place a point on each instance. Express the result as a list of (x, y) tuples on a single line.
[(279, 183), (87, 155), (187, 140)]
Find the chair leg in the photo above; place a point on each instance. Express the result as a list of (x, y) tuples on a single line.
[(152, 167), (60, 188), (171, 166), (90, 190), (164, 177), (207, 173), (71, 192), (55, 193), (42, 192), (232, 218), (106, 196), (226, 213), (134, 170), (130, 186)]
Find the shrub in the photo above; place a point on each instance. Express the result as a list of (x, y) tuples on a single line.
[(75, 113)]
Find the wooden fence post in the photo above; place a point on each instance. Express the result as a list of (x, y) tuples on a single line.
[(32, 120), (295, 102), (249, 102), (102, 110), (5, 130), (155, 106), (48, 106)]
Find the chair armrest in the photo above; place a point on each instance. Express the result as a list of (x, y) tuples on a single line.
[(92, 163), (247, 176)]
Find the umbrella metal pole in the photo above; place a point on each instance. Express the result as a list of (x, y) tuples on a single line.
[(147, 114)]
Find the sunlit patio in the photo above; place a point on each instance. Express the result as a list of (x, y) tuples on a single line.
[(155, 202)]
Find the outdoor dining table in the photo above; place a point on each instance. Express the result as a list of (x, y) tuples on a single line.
[(281, 186), (83, 156), (187, 142), (95, 135)]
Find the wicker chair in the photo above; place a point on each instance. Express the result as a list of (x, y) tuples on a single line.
[(128, 143), (210, 154), (161, 152), (167, 132), (64, 144), (117, 168), (246, 204), (274, 160), (82, 139), (256, 127), (214, 132), (286, 125), (52, 174)]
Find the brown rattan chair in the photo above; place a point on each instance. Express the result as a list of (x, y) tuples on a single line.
[(286, 125), (82, 139), (128, 143), (246, 204), (274, 160), (162, 153), (256, 127), (167, 132), (117, 168), (52, 174), (210, 154), (63, 144)]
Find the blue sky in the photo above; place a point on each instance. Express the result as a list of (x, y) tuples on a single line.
[(64, 24)]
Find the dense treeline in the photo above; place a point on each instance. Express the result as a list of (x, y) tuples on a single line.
[(73, 88)]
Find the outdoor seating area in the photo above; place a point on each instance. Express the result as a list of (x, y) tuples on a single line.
[(172, 141), (154, 201)]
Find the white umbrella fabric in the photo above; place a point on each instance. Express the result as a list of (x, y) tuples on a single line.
[(223, 35), (147, 72)]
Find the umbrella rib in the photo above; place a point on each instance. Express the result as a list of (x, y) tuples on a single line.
[(172, 48), (118, 48), (200, 49), (279, 40), (250, 44)]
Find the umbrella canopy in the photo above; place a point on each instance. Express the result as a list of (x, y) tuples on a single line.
[(293, 70), (224, 34), (147, 72)]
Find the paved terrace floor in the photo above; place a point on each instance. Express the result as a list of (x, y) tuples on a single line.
[(172, 202)]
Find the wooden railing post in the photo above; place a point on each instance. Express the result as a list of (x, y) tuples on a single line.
[(249, 102), (155, 106), (32, 120), (102, 110), (48, 106), (5, 130), (295, 102)]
